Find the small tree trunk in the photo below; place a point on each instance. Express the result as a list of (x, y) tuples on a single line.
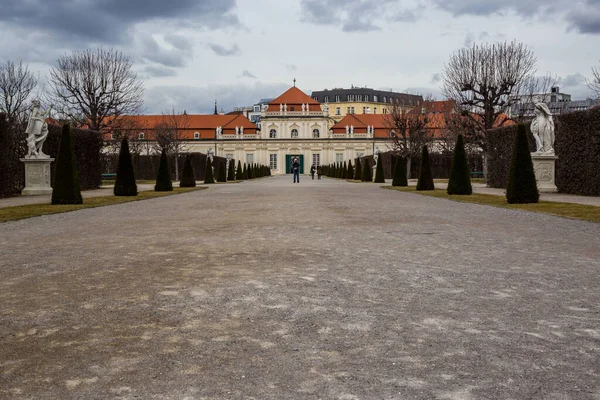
[(408, 162), (177, 167), (485, 168)]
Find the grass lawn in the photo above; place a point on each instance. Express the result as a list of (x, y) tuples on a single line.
[(139, 182), (35, 210), (569, 210)]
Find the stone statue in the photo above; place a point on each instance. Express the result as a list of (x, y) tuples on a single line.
[(241, 130), (303, 108), (542, 128), (285, 107), (352, 129), (237, 130), (37, 131), (347, 130), (326, 108)]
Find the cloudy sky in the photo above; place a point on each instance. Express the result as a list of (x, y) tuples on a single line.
[(189, 52)]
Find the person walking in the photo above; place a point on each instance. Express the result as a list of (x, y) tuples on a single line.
[(296, 170), (319, 172), (312, 171)]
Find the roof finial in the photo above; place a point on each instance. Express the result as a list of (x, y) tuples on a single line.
[(216, 112), (294, 82)]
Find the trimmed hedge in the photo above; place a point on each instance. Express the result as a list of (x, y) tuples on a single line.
[(460, 176), (187, 176), (379, 178), (400, 172), (163, 178), (125, 183), (521, 187), (66, 188), (208, 176), (425, 181)]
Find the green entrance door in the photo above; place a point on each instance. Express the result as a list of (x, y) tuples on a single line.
[(288, 163)]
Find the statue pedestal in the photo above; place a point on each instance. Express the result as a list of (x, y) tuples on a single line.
[(544, 166), (37, 176)]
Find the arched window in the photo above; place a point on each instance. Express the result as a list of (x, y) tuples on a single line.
[(315, 133), (141, 136), (272, 133), (294, 132)]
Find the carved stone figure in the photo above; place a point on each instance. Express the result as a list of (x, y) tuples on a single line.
[(352, 129), (280, 107), (237, 130), (347, 130), (285, 108), (303, 107), (37, 131), (326, 108), (241, 130), (542, 128)]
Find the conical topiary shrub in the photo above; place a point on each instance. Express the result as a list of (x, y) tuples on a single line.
[(350, 172), (344, 170), (400, 173), (245, 174), (163, 178), (66, 189), (425, 181), (379, 177), (231, 170), (358, 170), (367, 173), (522, 186), (239, 175), (125, 183), (188, 179), (460, 173), (221, 175), (208, 175)]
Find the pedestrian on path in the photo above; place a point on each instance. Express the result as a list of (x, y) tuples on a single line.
[(312, 171), (296, 170), (319, 172)]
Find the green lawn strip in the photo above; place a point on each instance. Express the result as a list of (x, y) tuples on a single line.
[(36, 210), (569, 210), (139, 182)]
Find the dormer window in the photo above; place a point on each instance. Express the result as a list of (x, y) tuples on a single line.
[(141, 136), (196, 135)]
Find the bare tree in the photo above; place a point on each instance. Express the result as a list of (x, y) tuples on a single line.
[(93, 87), (408, 131), (456, 123), (169, 134), (484, 79), (125, 127), (16, 85), (594, 84)]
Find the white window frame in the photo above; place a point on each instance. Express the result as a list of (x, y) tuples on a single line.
[(141, 136), (318, 134), (375, 98), (337, 98), (196, 135), (338, 111), (273, 160), (326, 99), (316, 159), (339, 157), (250, 158)]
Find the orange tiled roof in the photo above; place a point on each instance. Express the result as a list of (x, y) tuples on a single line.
[(294, 97)]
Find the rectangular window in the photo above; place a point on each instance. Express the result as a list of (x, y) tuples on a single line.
[(366, 97), (338, 111), (375, 99), (350, 97), (351, 110), (359, 97), (257, 108), (348, 111), (273, 161), (196, 135), (339, 157), (374, 110), (326, 99), (337, 98), (316, 160), (249, 158)]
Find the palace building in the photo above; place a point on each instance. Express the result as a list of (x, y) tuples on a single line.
[(292, 125)]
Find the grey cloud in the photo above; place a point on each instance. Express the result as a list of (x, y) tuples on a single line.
[(178, 41), (200, 100), (351, 15), (436, 78), (487, 7), (158, 71), (291, 67), (248, 74), (110, 21), (150, 50), (224, 51), (585, 17), (572, 80)]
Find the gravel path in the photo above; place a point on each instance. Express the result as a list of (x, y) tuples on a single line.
[(323, 289)]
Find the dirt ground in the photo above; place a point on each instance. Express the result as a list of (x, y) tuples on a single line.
[(318, 290)]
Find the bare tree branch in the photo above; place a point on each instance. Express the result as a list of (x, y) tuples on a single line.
[(16, 85), (94, 87), (594, 84), (170, 135)]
